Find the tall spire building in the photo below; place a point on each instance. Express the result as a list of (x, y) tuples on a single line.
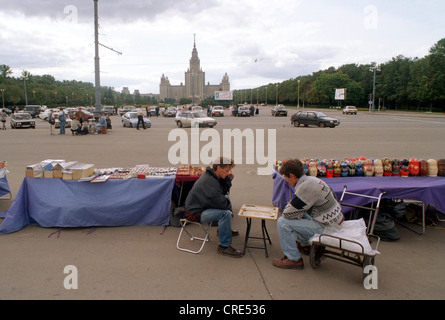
[(195, 87)]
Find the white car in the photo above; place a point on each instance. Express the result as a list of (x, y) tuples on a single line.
[(217, 111), (194, 119), (350, 110), (126, 109), (67, 121), (197, 108), (130, 119)]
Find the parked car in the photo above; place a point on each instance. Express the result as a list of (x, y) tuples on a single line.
[(126, 109), (279, 110), (197, 108), (169, 112), (194, 118), (350, 110), (217, 111), (313, 118), (243, 111), (86, 114), (22, 120), (57, 122), (152, 111), (130, 119), (109, 110), (34, 111)]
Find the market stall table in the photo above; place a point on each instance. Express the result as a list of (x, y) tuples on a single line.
[(4, 188), (428, 190), (65, 203)]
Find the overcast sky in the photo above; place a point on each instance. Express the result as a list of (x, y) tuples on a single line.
[(255, 41)]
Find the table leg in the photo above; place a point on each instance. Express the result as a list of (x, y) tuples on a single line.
[(249, 224), (263, 229)]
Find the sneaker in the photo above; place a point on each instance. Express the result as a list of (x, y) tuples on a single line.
[(306, 250), (285, 263), (230, 252)]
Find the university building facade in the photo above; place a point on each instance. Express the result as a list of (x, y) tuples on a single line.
[(194, 87)]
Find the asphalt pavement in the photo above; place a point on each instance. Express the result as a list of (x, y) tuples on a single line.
[(142, 262)]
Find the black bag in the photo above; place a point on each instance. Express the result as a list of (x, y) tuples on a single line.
[(176, 214), (51, 120), (385, 227)]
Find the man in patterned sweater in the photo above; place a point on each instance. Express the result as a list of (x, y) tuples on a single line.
[(313, 208)]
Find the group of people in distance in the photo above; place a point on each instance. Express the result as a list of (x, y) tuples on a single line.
[(79, 125), (303, 217)]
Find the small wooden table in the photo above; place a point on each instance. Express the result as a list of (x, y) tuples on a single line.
[(250, 211)]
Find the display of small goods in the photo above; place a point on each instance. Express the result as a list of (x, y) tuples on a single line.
[(351, 167), (3, 170), (140, 171), (188, 170)]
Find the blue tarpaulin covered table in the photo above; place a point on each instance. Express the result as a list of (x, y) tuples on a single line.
[(64, 203), (4, 186), (430, 190)]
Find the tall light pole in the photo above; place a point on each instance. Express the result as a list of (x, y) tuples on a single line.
[(96, 57), (277, 94), (374, 69), (298, 104), (24, 78)]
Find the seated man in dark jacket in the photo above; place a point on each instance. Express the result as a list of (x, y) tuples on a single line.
[(209, 201)]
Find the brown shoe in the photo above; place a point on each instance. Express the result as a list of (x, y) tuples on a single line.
[(230, 252), (285, 263)]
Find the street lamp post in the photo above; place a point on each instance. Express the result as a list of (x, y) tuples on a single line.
[(298, 103), (277, 94), (374, 69), (26, 94)]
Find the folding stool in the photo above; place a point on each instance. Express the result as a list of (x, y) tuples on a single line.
[(205, 230)]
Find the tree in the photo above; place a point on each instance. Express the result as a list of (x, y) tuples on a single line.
[(5, 71)]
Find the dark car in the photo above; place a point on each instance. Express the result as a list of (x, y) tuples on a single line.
[(278, 111), (313, 118), (34, 111), (243, 111), (22, 120)]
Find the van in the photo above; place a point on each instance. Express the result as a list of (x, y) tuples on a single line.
[(34, 111)]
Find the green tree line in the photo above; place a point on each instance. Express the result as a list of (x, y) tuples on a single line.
[(46, 90), (401, 83)]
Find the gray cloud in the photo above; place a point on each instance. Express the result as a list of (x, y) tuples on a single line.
[(116, 10)]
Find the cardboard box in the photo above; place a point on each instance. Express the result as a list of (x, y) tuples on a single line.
[(82, 170), (67, 175), (48, 174), (34, 171)]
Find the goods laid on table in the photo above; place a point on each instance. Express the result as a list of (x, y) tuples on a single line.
[(74, 170), (356, 167), (3, 170), (52, 168), (187, 170)]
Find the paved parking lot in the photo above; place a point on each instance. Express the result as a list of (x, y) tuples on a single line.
[(143, 262)]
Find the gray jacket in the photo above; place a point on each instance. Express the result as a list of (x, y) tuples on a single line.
[(315, 197), (209, 192)]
